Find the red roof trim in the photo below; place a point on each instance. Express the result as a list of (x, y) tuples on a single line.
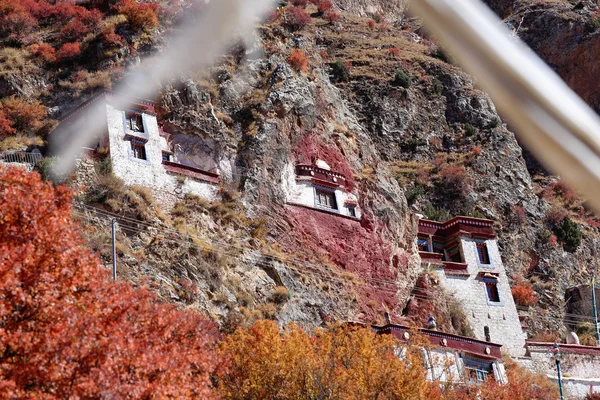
[(455, 342)]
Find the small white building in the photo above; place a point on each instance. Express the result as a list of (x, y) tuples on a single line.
[(580, 366), (318, 187), (464, 253), (139, 150), (454, 358)]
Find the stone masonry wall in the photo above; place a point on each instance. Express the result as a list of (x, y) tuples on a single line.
[(501, 318)]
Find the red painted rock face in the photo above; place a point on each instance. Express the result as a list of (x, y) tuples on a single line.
[(367, 253)]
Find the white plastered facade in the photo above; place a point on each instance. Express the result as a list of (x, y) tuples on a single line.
[(302, 191), (150, 172), (501, 317)]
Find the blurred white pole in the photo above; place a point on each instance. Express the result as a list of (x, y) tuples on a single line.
[(554, 123)]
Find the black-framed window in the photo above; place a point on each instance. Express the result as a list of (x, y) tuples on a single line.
[(166, 156), (134, 121), (423, 244), (352, 211), (138, 149), (491, 288), (325, 198), (482, 253)]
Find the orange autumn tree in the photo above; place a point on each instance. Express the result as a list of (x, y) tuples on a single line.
[(342, 363), (66, 331)]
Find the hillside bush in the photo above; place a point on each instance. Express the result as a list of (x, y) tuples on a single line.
[(22, 116), (298, 60), (332, 16), (68, 51), (141, 16), (470, 130), (339, 71), (436, 213), (402, 79), (371, 24), (523, 293), (454, 183), (568, 232), (43, 51), (324, 5), (297, 18)]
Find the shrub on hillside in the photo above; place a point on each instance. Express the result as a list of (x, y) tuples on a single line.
[(454, 182), (555, 215), (523, 293), (24, 116), (68, 51), (298, 60), (568, 233), (371, 24), (297, 18), (470, 130), (332, 16), (6, 125), (324, 5), (141, 16), (401, 79), (339, 71), (44, 51), (16, 23)]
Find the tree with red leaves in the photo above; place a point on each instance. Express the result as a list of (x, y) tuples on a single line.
[(141, 16), (23, 116), (66, 331)]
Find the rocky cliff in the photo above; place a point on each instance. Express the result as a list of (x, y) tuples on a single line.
[(383, 104)]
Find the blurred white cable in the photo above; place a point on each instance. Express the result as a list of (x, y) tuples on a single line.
[(553, 122)]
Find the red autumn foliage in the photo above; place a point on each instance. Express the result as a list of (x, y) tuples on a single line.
[(476, 151), (15, 20), (67, 331), (454, 182), (297, 18), (111, 39), (6, 125), (324, 5), (298, 60), (555, 215), (563, 190), (24, 116), (43, 51), (141, 16), (332, 16), (394, 51), (68, 51), (323, 54), (523, 293), (371, 24)]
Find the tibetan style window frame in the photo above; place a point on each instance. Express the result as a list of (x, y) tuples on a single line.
[(477, 371), (328, 194), (492, 284), (483, 252), (138, 126), (140, 145), (453, 252)]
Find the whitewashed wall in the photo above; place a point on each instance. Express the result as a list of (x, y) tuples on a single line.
[(502, 318), (150, 172), (302, 191)]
